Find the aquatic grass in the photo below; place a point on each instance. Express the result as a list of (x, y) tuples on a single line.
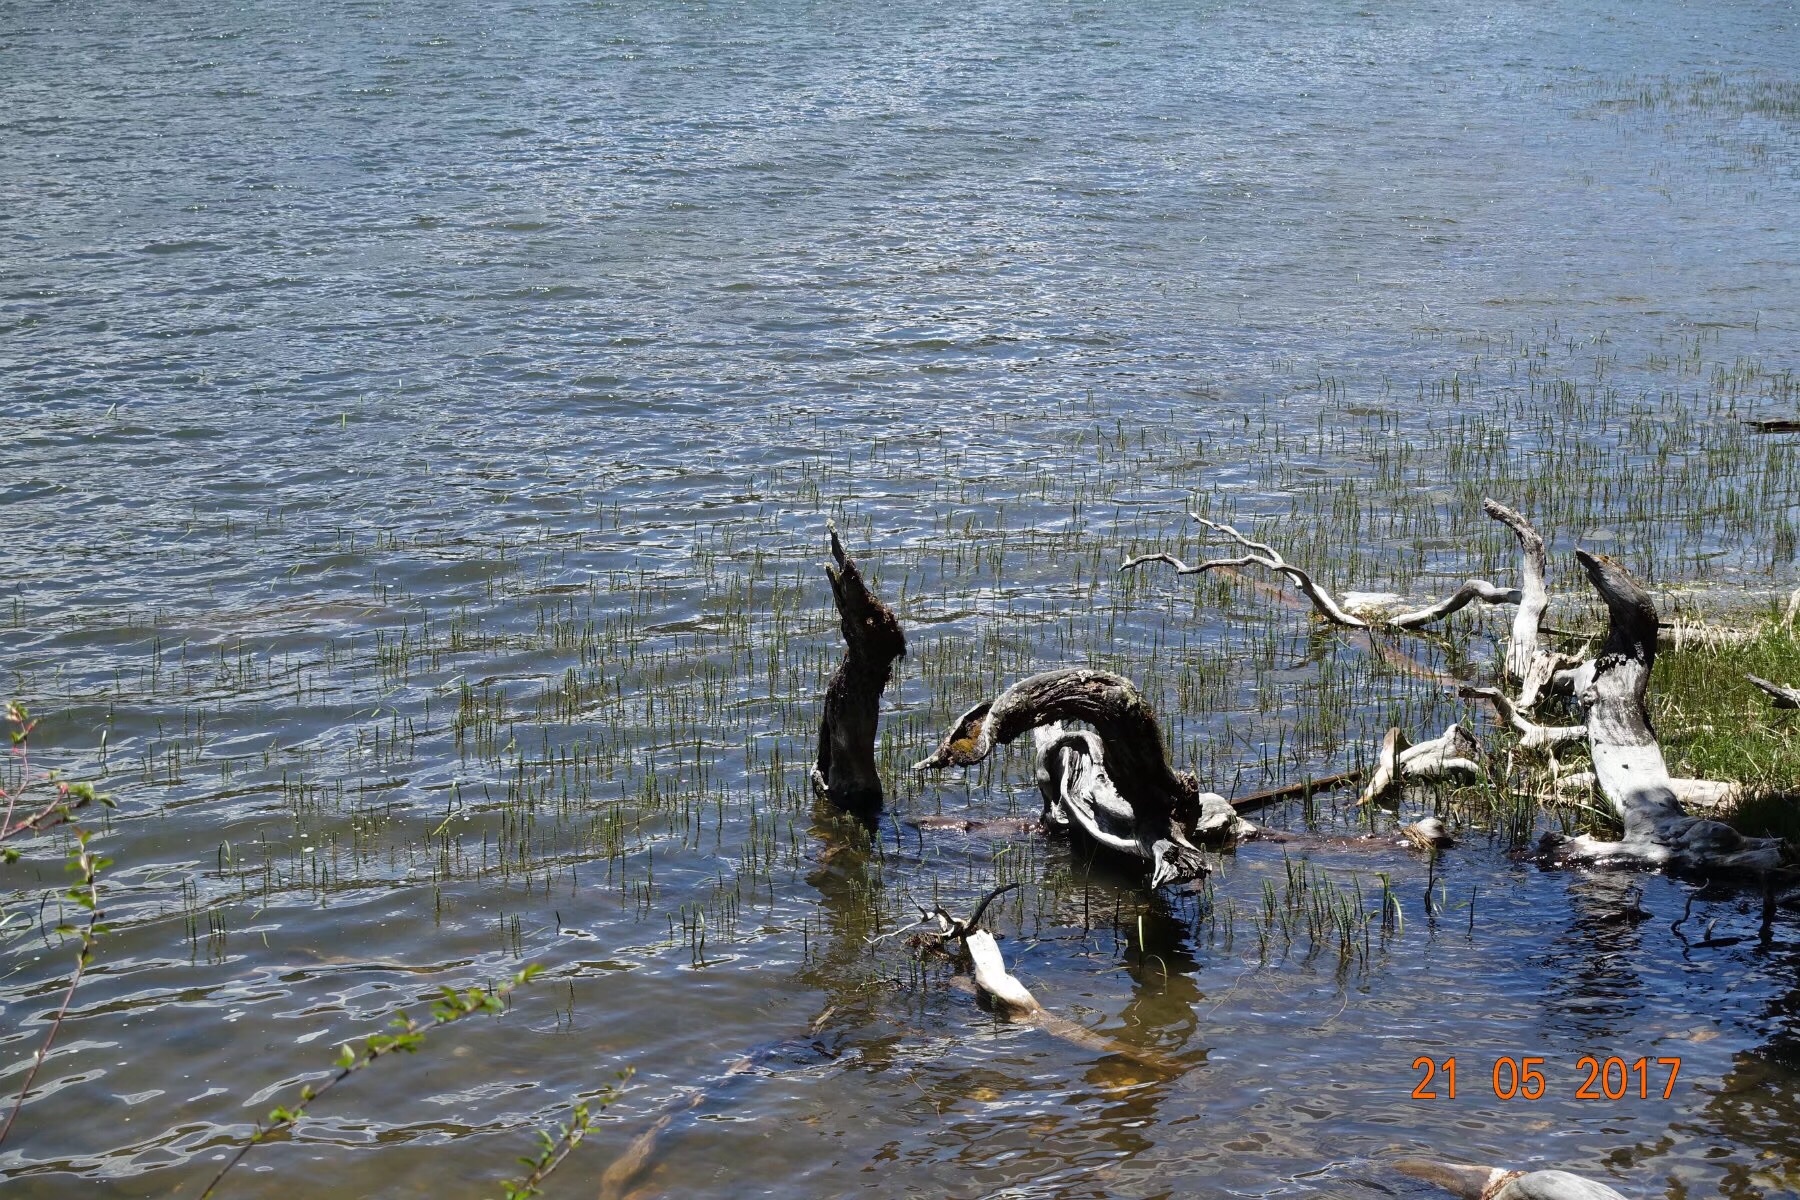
[(633, 722)]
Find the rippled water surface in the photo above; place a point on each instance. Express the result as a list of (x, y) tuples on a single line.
[(420, 425)]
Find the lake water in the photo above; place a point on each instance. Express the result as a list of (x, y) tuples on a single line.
[(419, 428)]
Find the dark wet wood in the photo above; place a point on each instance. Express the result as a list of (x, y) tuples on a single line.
[(1122, 762), (845, 770)]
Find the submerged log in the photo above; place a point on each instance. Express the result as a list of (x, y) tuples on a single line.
[(1002, 993), (1628, 762), (994, 984), (845, 770), (1493, 1183), (1114, 784)]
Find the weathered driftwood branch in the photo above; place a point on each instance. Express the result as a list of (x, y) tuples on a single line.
[(1263, 555), (1010, 999), (1114, 784), (993, 982), (845, 771), (1493, 1183), (1706, 795), (1628, 762), (1534, 598), (1450, 753), (1780, 697), (1532, 736)]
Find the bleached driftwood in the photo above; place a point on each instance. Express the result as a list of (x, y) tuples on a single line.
[(993, 982), (1450, 753), (1263, 555), (1537, 669), (1532, 736), (1387, 768), (1493, 1183), (1705, 794), (1628, 762), (1114, 784), (1780, 697), (845, 770), (1522, 646), (1428, 833), (1002, 992)]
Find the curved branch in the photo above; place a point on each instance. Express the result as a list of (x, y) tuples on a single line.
[(1265, 555), (1533, 597), (1114, 784), (1324, 603), (1532, 736), (1471, 591)]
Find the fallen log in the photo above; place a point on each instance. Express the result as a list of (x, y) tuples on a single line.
[(1628, 762), (1706, 794), (1780, 697), (1493, 1183), (1287, 791), (1114, 784), (844, 772)]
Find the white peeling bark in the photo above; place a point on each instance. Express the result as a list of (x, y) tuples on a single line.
[(1628, 762)]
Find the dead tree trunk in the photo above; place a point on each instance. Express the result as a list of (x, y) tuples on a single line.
[(845, 771), (1526, 662), (1628, 762), (1115, 784)]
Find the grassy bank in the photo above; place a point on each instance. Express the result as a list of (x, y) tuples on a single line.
[(1716, 725)]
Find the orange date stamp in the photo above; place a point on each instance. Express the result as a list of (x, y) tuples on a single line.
[(1523, 1078)]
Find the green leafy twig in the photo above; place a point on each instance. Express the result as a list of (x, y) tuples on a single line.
[(82, 860), (553, 1150), (85, 894), (451, 1005)]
